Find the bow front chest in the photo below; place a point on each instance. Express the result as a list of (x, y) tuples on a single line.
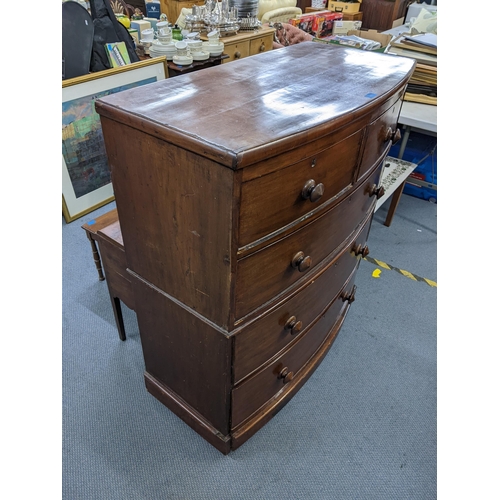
[(245, 194)]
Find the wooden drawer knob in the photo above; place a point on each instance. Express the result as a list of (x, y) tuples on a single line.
[(237, 55), (262, 48), (348, 296), (391, 135), (311, 191), (377, 191), (293, 325), (286, 375), (301, 262), (361, 250)]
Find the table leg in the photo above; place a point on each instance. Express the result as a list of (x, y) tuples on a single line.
[(399, 191), (394, 203), (404, 141), (97, 257), (117, 310)]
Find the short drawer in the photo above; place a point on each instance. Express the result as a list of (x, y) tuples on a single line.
[(263, 44), (237, 50), (289, 193), (380, 133), (268, 272), (258, 389), (267, 336)]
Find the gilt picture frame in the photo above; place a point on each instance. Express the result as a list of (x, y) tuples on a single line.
[(86, 178)]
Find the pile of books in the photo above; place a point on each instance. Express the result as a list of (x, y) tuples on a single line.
[(422, 86)]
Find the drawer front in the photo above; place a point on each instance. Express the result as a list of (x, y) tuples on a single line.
[(237, 50), (262, 44), (290, 193), (268, 272), (267, 336), (379, 135), (258, 389)]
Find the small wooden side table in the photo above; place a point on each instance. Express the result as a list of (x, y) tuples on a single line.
[(105, 231), (176, 70)]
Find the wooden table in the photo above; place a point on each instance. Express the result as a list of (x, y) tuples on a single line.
[(106, 232)]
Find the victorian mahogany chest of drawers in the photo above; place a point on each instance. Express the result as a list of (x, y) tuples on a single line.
[(245, 194)]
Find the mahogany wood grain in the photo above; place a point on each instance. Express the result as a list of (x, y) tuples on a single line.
[(267, 336), (273, 406), (212, 112), (258, 389), (279, 194), (377, 140), (380, 14), (273, 264), (212, 174), (185, 353), (182, 214)]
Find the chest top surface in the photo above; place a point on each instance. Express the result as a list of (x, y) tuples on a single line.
[(280, 95)]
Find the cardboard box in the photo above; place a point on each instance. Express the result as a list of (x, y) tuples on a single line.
[(343, 27), (140, 26), (350, 7), (152, 21), (304, 22), (134, 34), (368, 35), (373, 35), (323, 23)]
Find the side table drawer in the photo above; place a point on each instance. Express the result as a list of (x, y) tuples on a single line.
[(262, 44), (268, 272), (287, 194), (257, 390), (266, 337), (236, 51)]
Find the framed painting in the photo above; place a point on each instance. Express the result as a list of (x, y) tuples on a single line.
[(86, 178)]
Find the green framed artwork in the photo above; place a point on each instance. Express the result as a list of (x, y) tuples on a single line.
[(86, 178)]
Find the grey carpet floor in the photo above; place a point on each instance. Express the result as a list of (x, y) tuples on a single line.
[(362, 427)]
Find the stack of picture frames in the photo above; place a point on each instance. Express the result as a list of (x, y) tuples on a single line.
[(86, 177)]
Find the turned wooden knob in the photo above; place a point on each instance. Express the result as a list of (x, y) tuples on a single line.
[(396, 136), (311, 191), (237, 55), (361, 250), (392, 135), (262, 48), (286, 375), (301, 262), (293, 325), (377, 191), (348, 296)]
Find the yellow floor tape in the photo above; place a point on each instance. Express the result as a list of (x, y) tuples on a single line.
[(414, 277)]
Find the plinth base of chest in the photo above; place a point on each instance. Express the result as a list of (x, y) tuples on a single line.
[(244, 431)]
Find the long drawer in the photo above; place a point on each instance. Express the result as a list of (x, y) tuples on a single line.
[(258, 389), (268, 272), (288, 194), (267, 336)]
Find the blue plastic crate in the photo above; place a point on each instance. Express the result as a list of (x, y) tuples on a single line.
[(422, 150)]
